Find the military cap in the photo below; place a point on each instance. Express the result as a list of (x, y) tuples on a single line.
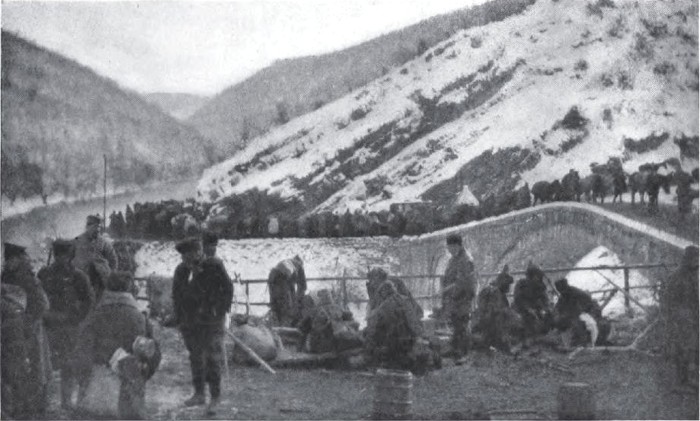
[(188, 245), (62, 246), (454, 239), (13, 250), (93, 219), (209, 238)]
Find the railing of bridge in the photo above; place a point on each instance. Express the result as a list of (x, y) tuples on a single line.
[(143, 284)]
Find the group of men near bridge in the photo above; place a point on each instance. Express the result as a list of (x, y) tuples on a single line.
[(73, 315), (83, 319)]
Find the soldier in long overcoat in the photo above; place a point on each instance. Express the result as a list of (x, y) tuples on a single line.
[(70, 297), (287, 286), (95, 255), (530, 300), (459, 289), (17, 271), (495, 323)]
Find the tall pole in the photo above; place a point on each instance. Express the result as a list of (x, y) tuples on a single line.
[(104, 195)]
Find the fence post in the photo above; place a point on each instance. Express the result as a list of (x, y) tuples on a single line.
[(628, 308), (344, 286), (247, 301)]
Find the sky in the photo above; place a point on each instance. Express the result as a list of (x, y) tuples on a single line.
[(203, 47)]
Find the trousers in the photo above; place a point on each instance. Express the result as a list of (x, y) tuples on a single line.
[(204, 343)]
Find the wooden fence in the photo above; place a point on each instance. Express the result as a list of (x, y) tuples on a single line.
[(608, 293)]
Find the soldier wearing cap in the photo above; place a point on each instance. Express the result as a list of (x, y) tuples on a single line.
[(202, 294), (71, 297), (17, 271), (459, 289), (94, 255), (530, 300)]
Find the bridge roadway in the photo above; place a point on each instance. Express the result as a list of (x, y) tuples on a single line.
[(550, 235)]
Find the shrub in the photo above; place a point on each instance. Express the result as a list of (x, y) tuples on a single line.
[(573, 120), (404, 71), (649, 143), (428, 57), (376, 185), (664, 68), (607, 117), (581, 65), (618, 27), (642, 47), (607, 80), (476, 42), (358, 113), (655, 29), (624, 80)]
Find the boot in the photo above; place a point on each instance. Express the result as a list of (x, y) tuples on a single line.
[(197, 399), (215, 391)]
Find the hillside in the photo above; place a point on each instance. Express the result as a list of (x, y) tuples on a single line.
[(181, 106), (59, 118), (561, 85), (293, 87)]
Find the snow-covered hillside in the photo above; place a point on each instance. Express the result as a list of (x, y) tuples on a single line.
[(564, 84)]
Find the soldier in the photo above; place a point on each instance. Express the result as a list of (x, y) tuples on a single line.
[(287, 286), (376, 277), (18, 271), (392, 329), (15, 369), (572, 303), (202, 294), (678, 302), (531, 302), (459, 289), (494, 321), (71, 297), (94, 255)]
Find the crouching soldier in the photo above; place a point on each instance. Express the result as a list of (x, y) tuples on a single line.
[(70, 297), (287, 286), (327, 327), (531, 302), (579, 314), (202, 294), (495, 323), (393, 328)]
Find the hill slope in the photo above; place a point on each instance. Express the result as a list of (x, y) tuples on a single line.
[(180, 106), (59, 118), (290, 88), (560, 86)]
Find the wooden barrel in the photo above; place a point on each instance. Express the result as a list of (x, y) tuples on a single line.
[(393, 395), (575, 401)]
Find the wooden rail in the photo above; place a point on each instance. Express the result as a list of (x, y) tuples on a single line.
[(346, 300)]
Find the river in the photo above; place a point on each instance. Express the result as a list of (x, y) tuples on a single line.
[(67, 220)]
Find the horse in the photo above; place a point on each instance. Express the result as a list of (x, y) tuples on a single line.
[(541, 191), (655, 182), (571, 186), (637, 184), (619, 185), (593, 186)]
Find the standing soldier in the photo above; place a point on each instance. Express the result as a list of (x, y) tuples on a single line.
[(71, 297), (18, 271), (678, 302), (94, 255), (459, 289), (287, 286), (202, 294)]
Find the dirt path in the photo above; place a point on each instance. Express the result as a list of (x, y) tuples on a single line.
[(628, 386)]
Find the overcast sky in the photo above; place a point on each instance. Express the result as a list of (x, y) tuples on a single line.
[(204, 47)]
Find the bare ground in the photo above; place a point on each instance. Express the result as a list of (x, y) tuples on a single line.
[(627, 386)]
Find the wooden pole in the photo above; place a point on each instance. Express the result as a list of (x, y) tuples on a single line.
[(623, 291), (628, 309), (344, 286), (104, 195)]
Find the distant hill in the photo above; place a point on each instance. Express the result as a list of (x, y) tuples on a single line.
[(59, 118), (290, 88), (180, 106), (564, 84)]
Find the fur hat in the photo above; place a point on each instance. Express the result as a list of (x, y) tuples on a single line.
[(454, 239), (188, 245), (14, 250), (209, 238)]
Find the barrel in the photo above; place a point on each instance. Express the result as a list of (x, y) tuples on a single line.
[(575, 401), (393, 395)]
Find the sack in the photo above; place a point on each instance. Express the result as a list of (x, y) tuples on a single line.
[(101, 397), (258, 338)]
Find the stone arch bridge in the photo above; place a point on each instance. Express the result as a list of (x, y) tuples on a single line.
[(552, 235)]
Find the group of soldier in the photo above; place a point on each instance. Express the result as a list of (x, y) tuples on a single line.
[(73, 315)]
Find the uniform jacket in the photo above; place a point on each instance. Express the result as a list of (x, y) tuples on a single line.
[(574, 301), (87, 250), (460, 273), (530, 294), (203, 296), (69, 292)]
